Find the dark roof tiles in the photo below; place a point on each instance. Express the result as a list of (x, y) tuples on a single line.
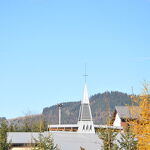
[(128, 112)]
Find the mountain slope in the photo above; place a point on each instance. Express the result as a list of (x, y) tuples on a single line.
[(100, 106)]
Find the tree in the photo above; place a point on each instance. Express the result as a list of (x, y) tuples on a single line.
[(141, 126), (128, 141), (108, 137), (40, 125), (44, 143), (31, 123), (4, 145)]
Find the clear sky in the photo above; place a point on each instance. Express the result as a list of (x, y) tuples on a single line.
[(44, 45)]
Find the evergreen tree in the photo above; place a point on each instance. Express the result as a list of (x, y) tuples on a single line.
[(44, 143), (108, 137), (4, 145), (128, 141)]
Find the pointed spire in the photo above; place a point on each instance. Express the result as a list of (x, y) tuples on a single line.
[(85, 99), (85, 110), (85, 121)]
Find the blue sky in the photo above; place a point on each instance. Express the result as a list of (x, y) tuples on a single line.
[(44, 45)]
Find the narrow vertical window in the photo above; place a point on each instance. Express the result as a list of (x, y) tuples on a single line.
[(90, 127), (87, 127), (83, 127)]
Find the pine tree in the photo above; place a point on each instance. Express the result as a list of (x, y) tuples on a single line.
[(4, 145), (108, 137), (44, 143), (128, 141)]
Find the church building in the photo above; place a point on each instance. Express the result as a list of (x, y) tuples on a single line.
[(66, 136), (85, 121)]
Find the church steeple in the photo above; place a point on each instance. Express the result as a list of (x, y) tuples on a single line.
[(85, 110), (85, 99), (85, 121)]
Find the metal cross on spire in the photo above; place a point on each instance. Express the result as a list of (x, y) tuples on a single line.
[(85, 75)]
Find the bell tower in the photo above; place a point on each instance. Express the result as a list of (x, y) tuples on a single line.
[(85, 121)]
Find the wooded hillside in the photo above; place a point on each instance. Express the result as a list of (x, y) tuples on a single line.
[(100, 104)]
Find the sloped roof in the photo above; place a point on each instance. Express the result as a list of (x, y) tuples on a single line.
[(22, 137), (130, 112), (65, 140)]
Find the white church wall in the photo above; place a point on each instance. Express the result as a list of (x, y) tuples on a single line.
[(117, 121), (86, 127)]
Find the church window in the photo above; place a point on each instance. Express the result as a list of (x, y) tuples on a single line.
[(83, 127), (87, 127), (90, 127)]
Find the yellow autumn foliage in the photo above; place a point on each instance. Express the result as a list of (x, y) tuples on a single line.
[(141, 125)]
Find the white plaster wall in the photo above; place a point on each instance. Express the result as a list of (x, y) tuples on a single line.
[(117, 121), (86, 123)]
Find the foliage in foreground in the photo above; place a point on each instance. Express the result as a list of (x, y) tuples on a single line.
[(141, 126), (44, 143), (4, 145), (127, 141), (108, 137)]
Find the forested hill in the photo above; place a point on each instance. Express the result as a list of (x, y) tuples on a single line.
[(100, 106)]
